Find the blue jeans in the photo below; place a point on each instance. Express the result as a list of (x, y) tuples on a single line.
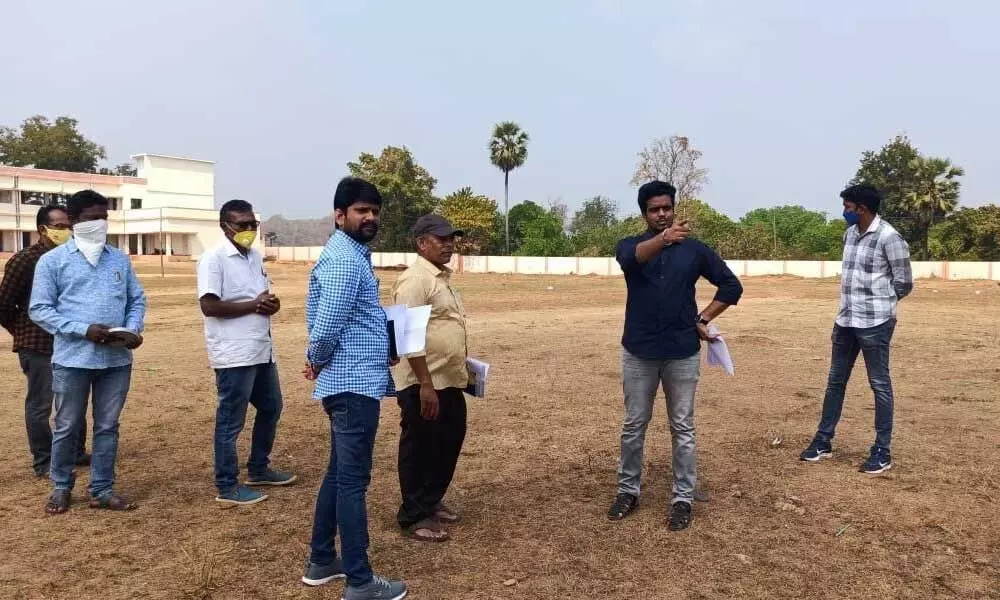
[(341, 501), (70, 388), (873, 344), (239, 387)]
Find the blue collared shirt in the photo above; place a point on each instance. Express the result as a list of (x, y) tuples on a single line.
[(348, 337), (69, 295), (661, 313)]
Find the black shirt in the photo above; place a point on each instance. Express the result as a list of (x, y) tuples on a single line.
[(661, 312)]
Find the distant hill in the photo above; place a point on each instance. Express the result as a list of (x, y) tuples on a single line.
[(297, 232)]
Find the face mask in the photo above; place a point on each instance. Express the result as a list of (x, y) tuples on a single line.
[(58, 236), (245, 238), (851, 217), (90, 237)]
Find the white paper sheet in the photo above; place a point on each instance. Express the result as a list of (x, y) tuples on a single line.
[(397, 314), (478, 376), (415, 330), (718, 352)]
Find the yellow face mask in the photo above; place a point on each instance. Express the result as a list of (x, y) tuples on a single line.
[(58, 236), (245, 238)]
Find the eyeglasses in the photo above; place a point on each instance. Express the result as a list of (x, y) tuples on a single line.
[(244, 225)]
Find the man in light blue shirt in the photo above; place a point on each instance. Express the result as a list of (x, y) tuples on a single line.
[(86, 294), (348, 357)]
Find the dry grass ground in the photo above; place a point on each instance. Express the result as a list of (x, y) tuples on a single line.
[(538, 470)]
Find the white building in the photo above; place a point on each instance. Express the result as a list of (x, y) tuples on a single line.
[(169, 207)]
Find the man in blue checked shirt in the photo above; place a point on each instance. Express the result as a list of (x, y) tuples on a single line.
[(348, 357), (876, 275), (83, 291)]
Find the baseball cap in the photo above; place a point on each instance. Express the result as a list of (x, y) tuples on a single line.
[(435, 225)]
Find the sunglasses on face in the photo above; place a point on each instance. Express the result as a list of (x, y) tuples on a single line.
[(244, 225)]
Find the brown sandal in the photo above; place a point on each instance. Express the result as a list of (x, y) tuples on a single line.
[(113, 502), (440, 535), (58, 502)]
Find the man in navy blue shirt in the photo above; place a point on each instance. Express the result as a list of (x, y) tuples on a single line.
[(662, 342)]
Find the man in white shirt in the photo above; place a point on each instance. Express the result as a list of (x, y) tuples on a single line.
[(237, 303)]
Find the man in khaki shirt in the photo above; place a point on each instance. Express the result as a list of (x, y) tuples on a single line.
[(431, 385)]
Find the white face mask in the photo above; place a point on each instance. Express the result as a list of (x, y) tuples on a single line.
[(90, 237)]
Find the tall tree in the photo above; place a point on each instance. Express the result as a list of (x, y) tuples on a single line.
[(892, 170), (508, 151), (597, 212), (474, 214), (707, 224), (42, 144), (674, 160), (933, 196), (407, 191)]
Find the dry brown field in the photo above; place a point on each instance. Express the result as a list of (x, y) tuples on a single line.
[(538, 470)]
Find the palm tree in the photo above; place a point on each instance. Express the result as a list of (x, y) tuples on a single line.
[(508, 151), (934, 194)]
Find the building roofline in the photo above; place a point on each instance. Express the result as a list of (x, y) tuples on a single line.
[(69, 176), (135, 156)]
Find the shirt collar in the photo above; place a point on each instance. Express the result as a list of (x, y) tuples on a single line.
[(432, 268), (230, 248), (873, 226), (357, 246)]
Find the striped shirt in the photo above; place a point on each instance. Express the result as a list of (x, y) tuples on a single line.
[(348, 337), (875, 276)]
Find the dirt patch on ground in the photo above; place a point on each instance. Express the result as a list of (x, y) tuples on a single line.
[(538, 470)]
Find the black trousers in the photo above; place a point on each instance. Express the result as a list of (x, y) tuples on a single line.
[(37, 369), (428, 452)]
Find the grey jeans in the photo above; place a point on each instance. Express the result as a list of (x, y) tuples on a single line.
[(641, 380)]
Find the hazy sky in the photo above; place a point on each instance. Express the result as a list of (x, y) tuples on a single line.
[(782, 95)]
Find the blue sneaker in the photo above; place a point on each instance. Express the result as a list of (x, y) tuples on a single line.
[(378, 589), (241, 495), (320, 574), (816, 451), (879, 460), (271, 477)]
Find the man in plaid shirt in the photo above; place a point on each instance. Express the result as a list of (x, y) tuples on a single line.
[(876, 275), (32, 344), (348, 358)]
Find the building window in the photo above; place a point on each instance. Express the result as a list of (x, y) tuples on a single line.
[(6, 196), (43, 198), (114, 203), (136, 203)]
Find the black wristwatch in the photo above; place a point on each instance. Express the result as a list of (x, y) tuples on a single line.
[(702, 320)]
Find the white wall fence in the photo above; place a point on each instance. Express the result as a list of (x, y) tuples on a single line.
[(582, 265)]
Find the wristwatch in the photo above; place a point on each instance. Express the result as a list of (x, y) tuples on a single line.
[(701, 320)]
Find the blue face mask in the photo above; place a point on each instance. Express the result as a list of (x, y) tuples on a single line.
[(851, 217)]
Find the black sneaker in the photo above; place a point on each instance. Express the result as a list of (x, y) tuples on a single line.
[(879, 460), (816, 451), (320, 574), (680, 516), (622, 506)]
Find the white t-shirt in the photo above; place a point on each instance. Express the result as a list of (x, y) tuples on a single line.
[(243, 341)]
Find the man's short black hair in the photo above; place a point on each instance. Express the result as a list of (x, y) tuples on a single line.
[(654, 189), (864, 194), (351, 190), (42, 218), (237, 206), (83, 200)]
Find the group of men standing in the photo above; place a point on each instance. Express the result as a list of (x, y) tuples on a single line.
[(72, 347)]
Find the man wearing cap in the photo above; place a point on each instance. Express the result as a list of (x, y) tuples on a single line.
[(431, 385)]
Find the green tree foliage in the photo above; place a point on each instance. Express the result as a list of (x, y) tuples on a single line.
[(42, 144), (544, 236), (519, 217), (918, 191), (933, 196), (798, 233), (596, 213), (407, 192), (473, 213), (969, 234)]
